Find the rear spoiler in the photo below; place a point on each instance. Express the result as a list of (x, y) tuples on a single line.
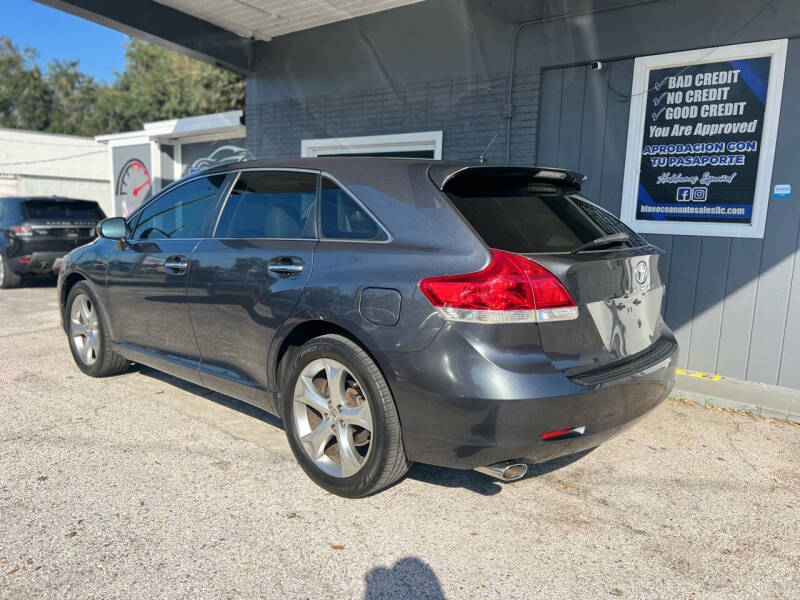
[(443, 174)]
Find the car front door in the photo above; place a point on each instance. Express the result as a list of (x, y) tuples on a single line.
[(246, 280), (147, 277)]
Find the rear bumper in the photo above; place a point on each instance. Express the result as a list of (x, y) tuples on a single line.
[(40, 263), (505, 423), (41, 253)]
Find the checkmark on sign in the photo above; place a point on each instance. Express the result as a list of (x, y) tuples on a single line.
[(658, 114), (658, 99)]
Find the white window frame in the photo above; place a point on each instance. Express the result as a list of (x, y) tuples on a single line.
[(400, 142), (636, 126)]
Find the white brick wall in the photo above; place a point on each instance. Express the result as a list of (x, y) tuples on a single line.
[(42, 164)]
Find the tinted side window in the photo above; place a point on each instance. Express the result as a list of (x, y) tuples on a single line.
[(342, 218), (2, 208), (270, 204), (180, 213), (609, 223)]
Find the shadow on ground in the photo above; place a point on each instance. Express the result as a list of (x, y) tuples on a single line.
[(222, 399), (410, 579), (484, 484), (441, 476), (38, 281)]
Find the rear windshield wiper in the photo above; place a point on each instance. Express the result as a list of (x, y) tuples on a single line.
[(606, 240)]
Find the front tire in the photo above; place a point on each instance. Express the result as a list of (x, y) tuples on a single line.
[(87, 331), (341, 420), (8, 278)]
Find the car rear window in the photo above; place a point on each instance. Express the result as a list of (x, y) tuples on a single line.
[(517, 215), (62, 209)]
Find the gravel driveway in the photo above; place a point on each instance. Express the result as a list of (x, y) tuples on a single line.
[(142, 486)]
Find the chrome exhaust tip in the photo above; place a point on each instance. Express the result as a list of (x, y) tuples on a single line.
[(508, 470)]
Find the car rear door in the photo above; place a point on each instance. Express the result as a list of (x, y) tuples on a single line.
[(147, 276), (619, 294), (617, 287), (248, 277)]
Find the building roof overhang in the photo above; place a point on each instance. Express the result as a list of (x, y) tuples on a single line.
[(222, 32), (227, 125)]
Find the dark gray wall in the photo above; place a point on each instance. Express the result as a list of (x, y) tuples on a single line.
[(443, 64), (167, 156), (441, 42), (468, 110)]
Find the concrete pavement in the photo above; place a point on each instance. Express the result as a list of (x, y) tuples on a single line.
[(726, 392), (143, 486)]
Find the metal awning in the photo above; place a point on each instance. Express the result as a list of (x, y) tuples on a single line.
[(265, 19), (227, 125), (222, 32)]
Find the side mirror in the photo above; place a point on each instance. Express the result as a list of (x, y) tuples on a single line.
[(114, 228)]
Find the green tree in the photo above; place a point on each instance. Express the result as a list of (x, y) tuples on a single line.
[(72, 97), (160, 84), (24, 95), (155, 84)]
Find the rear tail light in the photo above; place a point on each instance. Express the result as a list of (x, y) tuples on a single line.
[(22, 229), (563, 434), (25, 260), (512, 289)]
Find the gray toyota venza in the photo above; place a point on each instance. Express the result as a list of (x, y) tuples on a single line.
[(390, 311)]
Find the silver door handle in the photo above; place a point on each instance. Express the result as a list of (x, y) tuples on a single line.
[(176, 265), (286, 269)]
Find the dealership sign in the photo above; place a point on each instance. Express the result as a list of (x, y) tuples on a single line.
[(701, 140)]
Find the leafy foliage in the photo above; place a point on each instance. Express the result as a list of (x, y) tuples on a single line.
[(155, 84)]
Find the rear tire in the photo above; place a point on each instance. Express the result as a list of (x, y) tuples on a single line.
[(8, 279), (367, 459), (87, 329)]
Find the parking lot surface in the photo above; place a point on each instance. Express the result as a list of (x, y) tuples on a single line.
[(141, 486)]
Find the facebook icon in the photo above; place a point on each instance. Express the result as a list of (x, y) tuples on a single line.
[(684, 194)]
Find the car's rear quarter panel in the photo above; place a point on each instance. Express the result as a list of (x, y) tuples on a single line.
[(427, 238)]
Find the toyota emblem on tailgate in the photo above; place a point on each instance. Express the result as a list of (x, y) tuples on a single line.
[(642, 272)]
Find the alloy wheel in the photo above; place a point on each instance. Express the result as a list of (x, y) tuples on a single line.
[(332, 418), (2, 271), (85, 329)]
